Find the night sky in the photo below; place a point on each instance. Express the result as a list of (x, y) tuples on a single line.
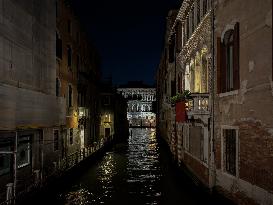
[(128, 35)]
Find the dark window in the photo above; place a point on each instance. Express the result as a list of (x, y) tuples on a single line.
[(41, 137), (198, 12), (179, 85), (178, 31), (78, 37), (171, 49), (56, 4), (69, 56), (56, 140), (71, 136), (106, 100), (187, 29), (69, 26), (58, 87), (192, 20), (205, 4), (173, 88), (228, 56), (5, 159), (70, 92), (230, 151), (228, 61), (59, 47), (78, 63)]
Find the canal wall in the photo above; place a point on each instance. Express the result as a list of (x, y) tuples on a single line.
[(192, 180)]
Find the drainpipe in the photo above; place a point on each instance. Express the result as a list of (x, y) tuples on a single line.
[(15, 166), (213, 98), (175, 130)]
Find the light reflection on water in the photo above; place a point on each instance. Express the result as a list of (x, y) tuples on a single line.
[(129, 172)]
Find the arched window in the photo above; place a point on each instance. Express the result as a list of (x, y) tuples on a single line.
[(228, 46), (228, 76), (204, 73)]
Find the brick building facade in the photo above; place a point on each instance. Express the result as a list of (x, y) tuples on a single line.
[(221, 51)]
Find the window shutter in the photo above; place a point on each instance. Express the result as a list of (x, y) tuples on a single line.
[(221, 81), (236, 56)]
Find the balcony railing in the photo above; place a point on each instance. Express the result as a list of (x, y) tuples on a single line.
[(198, 105)]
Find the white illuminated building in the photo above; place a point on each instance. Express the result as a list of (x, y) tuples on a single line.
[(140, 99)]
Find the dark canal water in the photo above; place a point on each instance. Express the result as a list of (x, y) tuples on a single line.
[(137, 172)]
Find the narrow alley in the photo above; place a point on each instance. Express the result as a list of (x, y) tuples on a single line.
[(138, 171)]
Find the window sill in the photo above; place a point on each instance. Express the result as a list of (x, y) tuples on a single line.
[(230, 93), (23, 165)]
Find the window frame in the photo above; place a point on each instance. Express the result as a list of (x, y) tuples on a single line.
[(28, 152), (223, 81), (223, 151)]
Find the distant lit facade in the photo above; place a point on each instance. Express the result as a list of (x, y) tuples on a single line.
[(140, 106)]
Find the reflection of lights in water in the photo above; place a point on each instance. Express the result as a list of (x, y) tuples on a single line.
[(80, 196), (107, 169)]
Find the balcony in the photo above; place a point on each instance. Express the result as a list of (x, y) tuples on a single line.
[(198, 106)]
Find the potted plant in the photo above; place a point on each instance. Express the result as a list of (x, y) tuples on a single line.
[(179, 101), (186, 94)]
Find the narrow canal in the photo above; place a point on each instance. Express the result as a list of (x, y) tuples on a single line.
[(137, 172)]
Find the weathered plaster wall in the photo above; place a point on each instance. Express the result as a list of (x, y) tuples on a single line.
[(250, 108)]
